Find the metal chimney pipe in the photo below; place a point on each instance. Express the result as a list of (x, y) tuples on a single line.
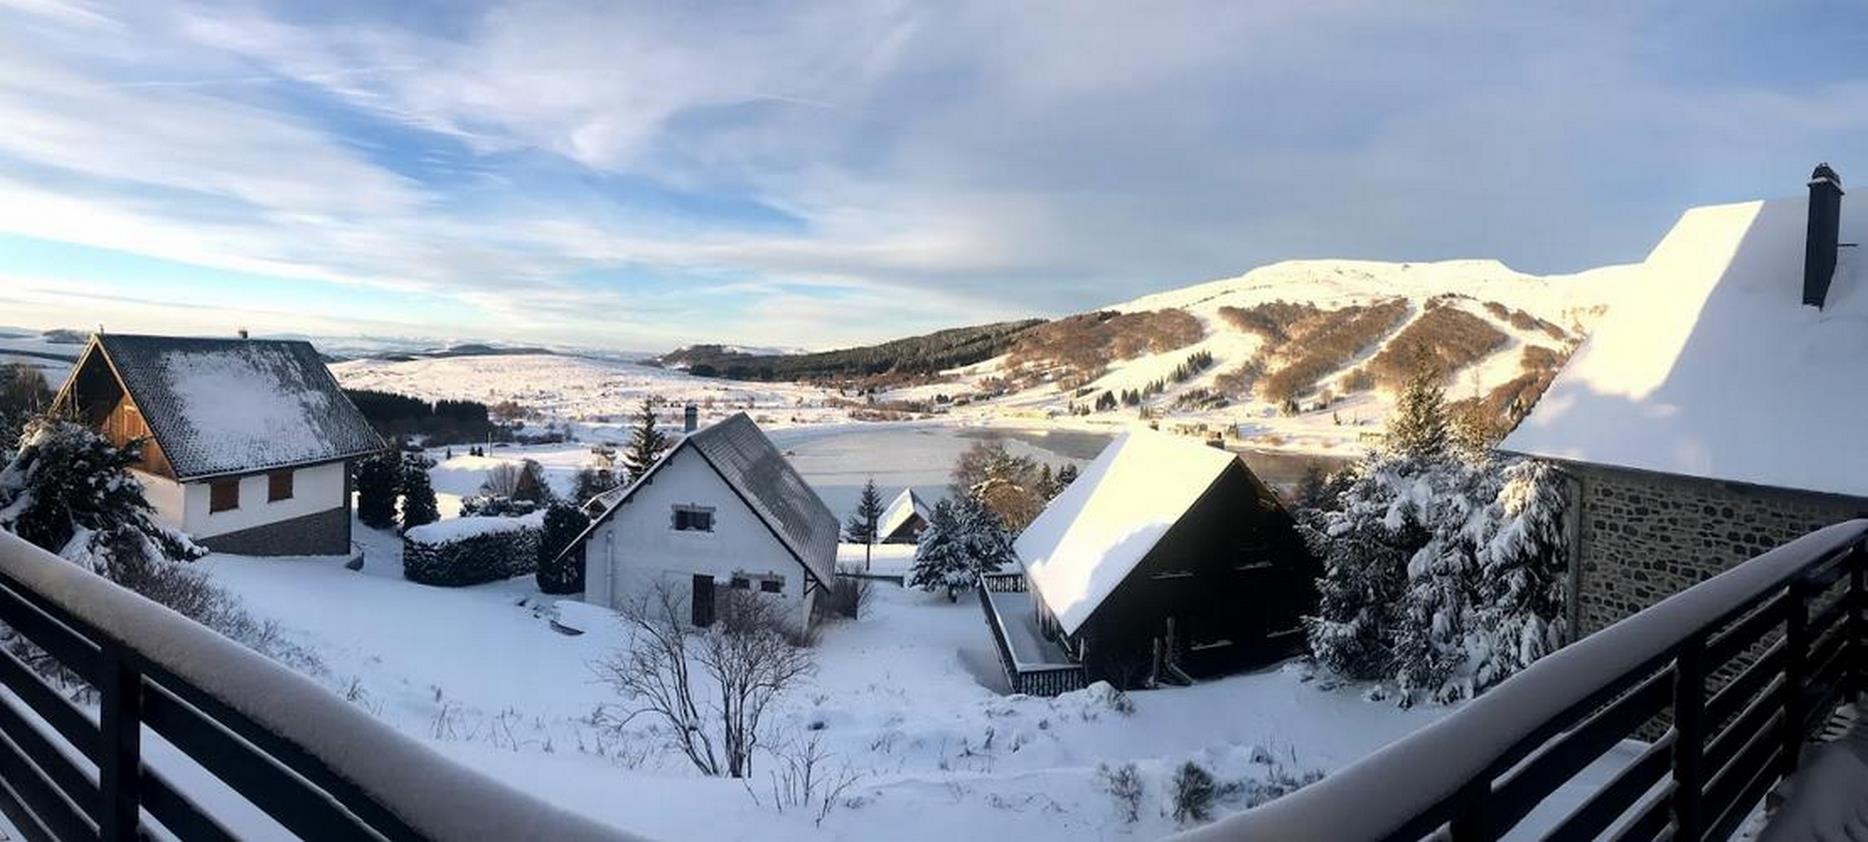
[(690, 418)]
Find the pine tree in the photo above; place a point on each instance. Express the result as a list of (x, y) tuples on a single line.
[(590, 482), (1418, 427), (940, 555), (1522, 587), (1065, 476), (863, 522), (1047, 486), (988, 543), (376, 481), (418, 492), (556, 575), (646, 443), (70, 492)]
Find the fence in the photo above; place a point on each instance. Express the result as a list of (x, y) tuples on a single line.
[(1791, 618), (307, 760)]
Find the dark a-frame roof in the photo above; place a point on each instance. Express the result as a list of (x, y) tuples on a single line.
[(741, 455), (220, 407)]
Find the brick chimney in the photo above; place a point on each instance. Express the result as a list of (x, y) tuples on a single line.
[(690, 418), (1819, 245)]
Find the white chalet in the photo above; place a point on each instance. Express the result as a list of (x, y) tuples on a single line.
[(246, 442), (904, 519), (720, 510)]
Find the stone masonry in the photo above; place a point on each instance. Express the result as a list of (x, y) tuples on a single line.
[(1642, 537), (319, 533)]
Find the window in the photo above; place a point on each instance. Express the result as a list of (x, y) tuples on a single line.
[(702, 610), (278, 486), (223, 495), (771, 586), (693, 519), (741, 583)]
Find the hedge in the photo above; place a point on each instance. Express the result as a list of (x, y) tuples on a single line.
[(471, 550)]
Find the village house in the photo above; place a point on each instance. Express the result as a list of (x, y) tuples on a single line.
[(1165, 561), (1716, 412), (721, 510), (246, 442), (903, 521)]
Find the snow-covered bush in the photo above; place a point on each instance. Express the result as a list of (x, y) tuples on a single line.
[(471, 550), (419, 507), (1193, 790), (563, 523), (1442, 566), (963, 539), (1124, 784)]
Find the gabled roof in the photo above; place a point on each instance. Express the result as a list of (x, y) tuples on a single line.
[(1710, 366), (905, 505), (1101, 527), (761, 477), (233, 406)]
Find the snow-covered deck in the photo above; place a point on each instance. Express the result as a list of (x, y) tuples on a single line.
[(1030, 649), (1033, 664)]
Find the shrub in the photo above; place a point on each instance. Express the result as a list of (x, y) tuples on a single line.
[(1124, 784), (1329, 341), (563, 523), (1194, 789), (471, 550), (1271, 320), (1446, 339), (1082, 346)]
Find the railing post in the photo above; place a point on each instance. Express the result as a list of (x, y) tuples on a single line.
[(1855, 663), (120, 724), (1796, 671), (1689, 699), (1470, 822)]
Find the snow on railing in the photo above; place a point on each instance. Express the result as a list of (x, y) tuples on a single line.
[(1466, 771), (291, 748)]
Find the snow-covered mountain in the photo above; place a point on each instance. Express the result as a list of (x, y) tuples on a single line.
[(1299, 355)]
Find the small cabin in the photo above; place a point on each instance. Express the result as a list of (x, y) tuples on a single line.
[(247, 443), (1166, 561), (904, 520), (721, 510)]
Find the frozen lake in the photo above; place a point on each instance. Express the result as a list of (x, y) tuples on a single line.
[(836, 460)]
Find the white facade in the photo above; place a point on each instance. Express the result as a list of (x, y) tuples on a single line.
[(638, 547), (318, 488)]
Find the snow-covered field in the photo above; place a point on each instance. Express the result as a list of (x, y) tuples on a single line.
[(905, 697)]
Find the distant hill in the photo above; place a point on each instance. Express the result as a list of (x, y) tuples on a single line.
[(916, 355)]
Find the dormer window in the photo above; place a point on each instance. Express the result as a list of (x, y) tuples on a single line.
[(692, 518)]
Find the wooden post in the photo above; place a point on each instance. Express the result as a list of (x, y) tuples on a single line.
[(1856, 645), (1689, 688), (120, 725), (1796, 672)]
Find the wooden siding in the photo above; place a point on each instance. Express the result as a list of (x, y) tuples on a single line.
[(123, 424)]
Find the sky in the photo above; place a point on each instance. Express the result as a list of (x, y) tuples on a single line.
[(809, 174)]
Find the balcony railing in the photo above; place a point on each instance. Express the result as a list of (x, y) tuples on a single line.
[(177, 703), (1747, 665)]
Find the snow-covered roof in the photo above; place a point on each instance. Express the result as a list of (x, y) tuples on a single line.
[(758, 474), (1709, 365), (229, 406), (905, 505), (1095, 533)]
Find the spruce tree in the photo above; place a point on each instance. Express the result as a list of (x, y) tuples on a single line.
[(1418, 428), (418, 492), (1065, 476), (377, 477), (556, 574), (863, 522), (646, 443), (987, 541), (941, 554), (69, 491)]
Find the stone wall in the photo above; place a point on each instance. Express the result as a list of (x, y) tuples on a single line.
[(1642, 537), (321, 533)]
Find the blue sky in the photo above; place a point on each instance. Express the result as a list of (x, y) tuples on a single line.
[(639, 176)]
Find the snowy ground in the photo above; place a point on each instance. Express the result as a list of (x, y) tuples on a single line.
[(905, 696)]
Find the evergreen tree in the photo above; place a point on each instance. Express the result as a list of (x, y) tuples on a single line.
[(987, 541), (590, 482), (418, 492), (70, 492), (940, 555), (646, 443), (1065, 476), (863, 522), (377, 477), (1047, 486), (1418, 427), (563, 523), (1522, 587), (533, 487)]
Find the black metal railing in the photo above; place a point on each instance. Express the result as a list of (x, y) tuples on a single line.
[(1048, 680), (1747, 665), (176, 704)]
